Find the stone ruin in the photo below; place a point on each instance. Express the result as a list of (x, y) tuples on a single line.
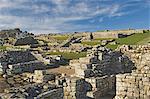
[(95, 74), (14, 33), (102, 72), (109, 34), (102, 61), (69, 41), (36, 85), (17, 62), (26, 41), (34, 91), (135, 85)]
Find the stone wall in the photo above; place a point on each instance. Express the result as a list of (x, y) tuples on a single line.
[(14, 57), (24, 67), (100, 62), (95, 74), (41, 76), (79, 88), (33, 91), (26, 41), (100, 86), (108, 34), (135, 85), (52, 94), (114, 34), (76, 88)]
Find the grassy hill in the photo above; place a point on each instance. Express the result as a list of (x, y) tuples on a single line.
[(135, 39)]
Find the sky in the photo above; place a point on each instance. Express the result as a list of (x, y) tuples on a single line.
[(58, 16)]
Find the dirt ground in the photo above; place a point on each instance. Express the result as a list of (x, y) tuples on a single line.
[(3, 84), (62, 69)]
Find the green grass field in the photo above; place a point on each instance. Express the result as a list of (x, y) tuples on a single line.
[(113, 47), (133, 39), (69, 55), (91, 43), (104, 38)]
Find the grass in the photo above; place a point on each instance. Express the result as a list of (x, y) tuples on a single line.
[(113, 47), (133, 39), (104, 38), (145, 40), (92, 43), (2, 48), (69, 55)]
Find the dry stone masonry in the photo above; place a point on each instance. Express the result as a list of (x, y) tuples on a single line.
[(14, 62), (95, 74), (125, 71), (135, 85)]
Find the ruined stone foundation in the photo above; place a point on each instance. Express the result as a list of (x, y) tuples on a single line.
[(135, 85)]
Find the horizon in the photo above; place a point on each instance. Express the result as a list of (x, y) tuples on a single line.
[(53, 16), (74, 31)]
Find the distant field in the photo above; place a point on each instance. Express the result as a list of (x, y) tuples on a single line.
[(69, 55)]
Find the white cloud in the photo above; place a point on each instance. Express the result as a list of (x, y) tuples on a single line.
[(54, 15)]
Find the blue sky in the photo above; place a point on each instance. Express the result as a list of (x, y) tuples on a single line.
[(48, 16)]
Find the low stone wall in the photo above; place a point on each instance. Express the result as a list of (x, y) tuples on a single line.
[(108, 34), (114, 34), (100, 86), (25, 67), (78, 88), (41, 76), (14, 57), (33, 91), (52, 94)]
